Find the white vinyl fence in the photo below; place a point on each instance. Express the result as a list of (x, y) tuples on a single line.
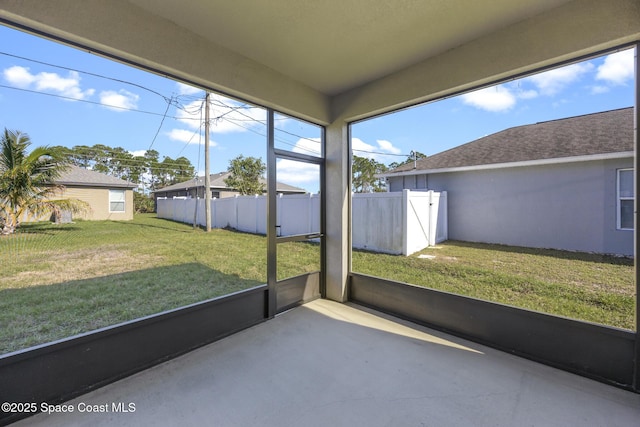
[(297, 213), (396, 223), (399, 222)]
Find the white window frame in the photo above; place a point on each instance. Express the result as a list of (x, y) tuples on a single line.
[(112, 200), (620, 198)]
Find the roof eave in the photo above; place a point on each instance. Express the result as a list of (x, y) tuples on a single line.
[(527, 163), (94, 185)]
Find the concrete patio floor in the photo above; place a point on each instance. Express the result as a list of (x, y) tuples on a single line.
[(331, 364)]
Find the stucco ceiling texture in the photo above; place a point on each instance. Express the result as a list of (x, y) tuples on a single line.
[(315, 42)]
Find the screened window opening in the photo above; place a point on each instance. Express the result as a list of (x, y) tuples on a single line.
[(146, 193), (530, 203)]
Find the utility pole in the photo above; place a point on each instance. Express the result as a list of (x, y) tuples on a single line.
[(207, 174)]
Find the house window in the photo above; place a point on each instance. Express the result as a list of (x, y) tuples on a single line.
[(116, 200), (625, 199)]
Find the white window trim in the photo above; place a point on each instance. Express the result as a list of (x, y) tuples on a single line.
[(124, 195), (619, 198)]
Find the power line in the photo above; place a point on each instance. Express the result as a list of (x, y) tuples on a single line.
[(160, 166), (164, 115), (113, 153), (93, 102), (146, 170), (280, 130), (170, 101), (301, 137), (186, 144), (383, 154), (298, 136), (173, 101), (219, 103), (252, 119), (277, 139), (221, 117), (161, 122), (187, 97), (87, 73)]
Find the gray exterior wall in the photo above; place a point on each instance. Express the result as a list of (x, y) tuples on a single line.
[(570, 206)]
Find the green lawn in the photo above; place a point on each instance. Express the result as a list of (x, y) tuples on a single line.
[(66, 279), (589, 287), (62, 280)]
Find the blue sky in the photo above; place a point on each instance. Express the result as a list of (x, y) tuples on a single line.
[(68, 106), (600, 84)]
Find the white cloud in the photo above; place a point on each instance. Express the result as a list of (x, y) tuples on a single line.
[(554, 81), (495, 99), (118, 101), (184, 89), (301, 174), (598, 89), (189, 137), (362, 149), (504, 97), (377, 153), (388, 146), (617, 68), (527, 94), (310, 146), (55, 82), (298, 174), (47, 82), (19, 76), (226, 115), (183, 135), (138, 153)]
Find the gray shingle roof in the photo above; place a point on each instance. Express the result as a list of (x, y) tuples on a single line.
[(77, 176), (217, 182), (598, 133)]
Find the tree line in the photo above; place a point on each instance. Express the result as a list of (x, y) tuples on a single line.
[(28, 176), (364, 171), (147, 170)]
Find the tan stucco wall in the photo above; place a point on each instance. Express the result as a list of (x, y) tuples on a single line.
[(98, 199)]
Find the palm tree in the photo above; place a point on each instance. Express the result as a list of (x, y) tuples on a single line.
[(27, 181)]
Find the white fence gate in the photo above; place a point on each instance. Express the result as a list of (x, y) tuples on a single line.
[(396, 223), (399, 222)]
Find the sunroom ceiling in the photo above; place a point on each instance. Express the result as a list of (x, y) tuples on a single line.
[(335, 45)]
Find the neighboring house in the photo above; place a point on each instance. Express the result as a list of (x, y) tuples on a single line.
[(562, 184), (195, 188), (108, 197)]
